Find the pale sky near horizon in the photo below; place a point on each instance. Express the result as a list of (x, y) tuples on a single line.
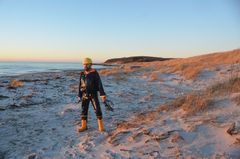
[(69, 30)]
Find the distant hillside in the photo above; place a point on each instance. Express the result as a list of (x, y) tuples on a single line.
[(135, 59)]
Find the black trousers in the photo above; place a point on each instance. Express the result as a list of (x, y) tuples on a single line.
[(95, 103)]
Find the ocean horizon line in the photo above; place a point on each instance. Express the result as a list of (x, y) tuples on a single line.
[(18, 68), (20, 61)]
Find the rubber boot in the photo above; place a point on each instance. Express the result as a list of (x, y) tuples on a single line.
[(83, 127), (100, 125)]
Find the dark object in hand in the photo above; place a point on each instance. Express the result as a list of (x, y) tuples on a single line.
[(108, 105)]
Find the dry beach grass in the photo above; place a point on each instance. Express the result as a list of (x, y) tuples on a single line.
[(210, 108), (15, 84), (191, 67)]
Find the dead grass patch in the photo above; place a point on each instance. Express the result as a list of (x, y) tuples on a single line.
[(138, 119), (107, 72), (191, 67), (15, 84), (154, 76), (237, 100), (125, 69), (196, 103), (162, 108), (200, 101), (192, 103), (230, 86)]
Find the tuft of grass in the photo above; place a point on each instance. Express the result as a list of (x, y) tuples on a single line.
[(230, 86), (164, 107), (106, 72), (120, 77), (154, 76), (200, 101), (193, 103), (196, 103), (178, 102), (125, 69), (237, 100), (15, 84)]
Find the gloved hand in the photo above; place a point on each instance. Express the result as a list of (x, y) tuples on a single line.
[(103, 98)]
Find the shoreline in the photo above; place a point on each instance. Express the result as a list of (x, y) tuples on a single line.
[(51, 71), (34, 73), (15, 69)]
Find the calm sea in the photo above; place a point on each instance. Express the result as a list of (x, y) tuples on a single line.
[(17, 68)]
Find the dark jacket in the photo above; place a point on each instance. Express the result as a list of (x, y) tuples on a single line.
[(90, 84)]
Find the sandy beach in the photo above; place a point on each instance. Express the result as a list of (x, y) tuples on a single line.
[(161, 110)]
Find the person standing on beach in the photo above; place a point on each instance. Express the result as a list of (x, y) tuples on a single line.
[(89, 86)]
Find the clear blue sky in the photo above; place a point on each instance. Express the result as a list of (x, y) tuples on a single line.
[(72, 29)]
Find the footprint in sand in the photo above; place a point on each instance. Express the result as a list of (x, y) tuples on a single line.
[(119, 138), (136, 137)]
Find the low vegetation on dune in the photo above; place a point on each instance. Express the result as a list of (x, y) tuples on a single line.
[(197, 102), (15, 84), (191, 67), (193, 103), (237, 100), (121, 70), (231, 86), (201, 101)]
